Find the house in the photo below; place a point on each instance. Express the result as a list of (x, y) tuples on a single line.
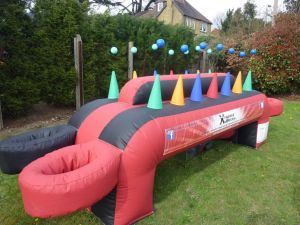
[(179, 12)]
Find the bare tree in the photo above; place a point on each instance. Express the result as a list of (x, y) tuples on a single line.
[(218, 20), (132, 7), (129, 6)]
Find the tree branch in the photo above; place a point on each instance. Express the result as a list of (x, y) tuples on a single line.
[(149, 3)]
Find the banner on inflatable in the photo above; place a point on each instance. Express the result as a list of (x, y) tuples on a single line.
[(193, 132)]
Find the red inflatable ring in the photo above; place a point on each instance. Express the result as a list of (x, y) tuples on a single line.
[(70, 179)]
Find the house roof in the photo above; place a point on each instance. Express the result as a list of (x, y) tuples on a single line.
[(147, 13), (182, 5), (188, 10)]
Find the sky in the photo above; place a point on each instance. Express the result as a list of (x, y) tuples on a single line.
[(214, 8)]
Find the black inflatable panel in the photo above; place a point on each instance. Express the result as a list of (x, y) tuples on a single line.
[(105, 208), (20, 150), (246, 135), (168, 86)]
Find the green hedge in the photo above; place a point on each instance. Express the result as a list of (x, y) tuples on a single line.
[(40, 64)]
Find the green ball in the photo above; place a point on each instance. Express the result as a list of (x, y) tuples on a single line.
[(171, 52), (209, 51), (154, 47), (133, 50), (114, 50)]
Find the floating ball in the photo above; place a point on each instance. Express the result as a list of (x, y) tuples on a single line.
[(203, 45), (187, 52), (160, 43), (253, 52), (133, 50), (184, 48), (171, 52), (197, 48), (114, 50), (220, 47), (242, 54), (231, 51), (154, 47), (209, 51)]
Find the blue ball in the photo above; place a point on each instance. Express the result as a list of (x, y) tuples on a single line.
[(187, 52), (197, 48), (184, 48), (160, 43), (133, 50), (231, 51), (220, 47), (242, 54), (209, 51), (154, 47), (203, 45), (171, 52), (114, 50), (253, 52)]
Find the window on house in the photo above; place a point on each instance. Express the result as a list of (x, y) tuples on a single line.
[(203, 27), (190, 23), (160, 6)]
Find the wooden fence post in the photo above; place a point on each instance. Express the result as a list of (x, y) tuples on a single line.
[(204, 61), (130, 60), (1, 120), (78, 58)]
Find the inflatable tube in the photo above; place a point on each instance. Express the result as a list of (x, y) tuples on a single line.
[(276, 107), (77, 119), (70, 179), (20, 150)]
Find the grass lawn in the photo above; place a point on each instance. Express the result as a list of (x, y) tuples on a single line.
[(228, 185)]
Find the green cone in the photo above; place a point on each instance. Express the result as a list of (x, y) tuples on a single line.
[(155, 101), (113, 87), (209, 71), (248, 82)]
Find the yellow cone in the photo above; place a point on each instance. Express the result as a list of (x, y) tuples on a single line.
[(198, 71), (238, 85), (134, 75), (178, 94)]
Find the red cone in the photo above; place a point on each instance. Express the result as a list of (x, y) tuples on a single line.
[(171, 72), (213, 88)]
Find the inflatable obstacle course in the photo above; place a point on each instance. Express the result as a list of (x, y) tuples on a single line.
[(110, 166)]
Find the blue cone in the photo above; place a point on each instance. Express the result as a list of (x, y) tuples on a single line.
[(186, 72), (154, 72), (196, 94), (226, 87)]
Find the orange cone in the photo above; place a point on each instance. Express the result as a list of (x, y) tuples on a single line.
[(178, 94), (238, 84), (213, 88), (134, 75)]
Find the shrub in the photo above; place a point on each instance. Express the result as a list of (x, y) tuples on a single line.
[(276, 68)]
